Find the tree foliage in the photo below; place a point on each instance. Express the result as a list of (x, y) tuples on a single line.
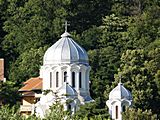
[(92, 110), (9, 113), (138, 73), (121, 37), (27, 65), (133, 114), (9, 93)]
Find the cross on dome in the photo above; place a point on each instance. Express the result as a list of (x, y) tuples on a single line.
[(66, 25), (120, 78), (66, 34)]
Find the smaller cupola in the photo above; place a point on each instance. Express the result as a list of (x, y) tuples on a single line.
[(67, 91), (119, 99), (120, 92)]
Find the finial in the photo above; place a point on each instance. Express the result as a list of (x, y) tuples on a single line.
[(120, 78), (66, 25), (66, 34)]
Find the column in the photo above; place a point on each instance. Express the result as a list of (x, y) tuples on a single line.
[(60, 77), (77, 80), (87, 76), (69, 76)]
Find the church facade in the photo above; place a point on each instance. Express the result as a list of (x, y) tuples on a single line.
[(65, 72)]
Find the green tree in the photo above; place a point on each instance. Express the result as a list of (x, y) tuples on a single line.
[(89, 39), (84, 14), (3, 5), (114, 32), (33, 24), (134, 114), (104, 64), (143, 30), (92, 110), (157, 79), (105, 58), (9, 113), (8, 93), (27, 65), (132, 7), (139, 78)]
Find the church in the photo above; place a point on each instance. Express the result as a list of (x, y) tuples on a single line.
[(64, 75)]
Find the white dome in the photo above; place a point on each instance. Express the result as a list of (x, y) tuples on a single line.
[(65, 50), (120, 92)]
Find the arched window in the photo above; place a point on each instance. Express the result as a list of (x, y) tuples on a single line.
[(80, 79), (73, 79), (50, 79), (116, 112), (65, 76), (57, 78), (124, 108)]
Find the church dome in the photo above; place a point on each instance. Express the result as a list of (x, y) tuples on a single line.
[(120, 92), (65, 50)]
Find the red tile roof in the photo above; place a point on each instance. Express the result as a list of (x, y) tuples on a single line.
[(32, 84)]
